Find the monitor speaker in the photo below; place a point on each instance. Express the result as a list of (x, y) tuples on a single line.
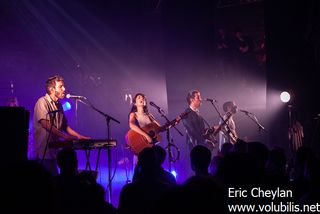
[(14, 132)]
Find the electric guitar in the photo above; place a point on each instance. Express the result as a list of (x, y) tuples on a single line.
[(137, 142)]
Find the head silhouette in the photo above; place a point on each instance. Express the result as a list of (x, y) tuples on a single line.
[(200, 157)]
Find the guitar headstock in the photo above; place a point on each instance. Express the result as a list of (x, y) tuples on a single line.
[(176, 120), (182, 116)]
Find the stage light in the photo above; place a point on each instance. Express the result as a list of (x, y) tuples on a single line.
[(66, 106), (285, 97)]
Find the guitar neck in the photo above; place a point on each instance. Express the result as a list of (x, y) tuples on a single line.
[(171, 123), (166, 126), (224, 123)]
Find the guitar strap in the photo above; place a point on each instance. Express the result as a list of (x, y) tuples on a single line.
[(136, 120), (151, 117)]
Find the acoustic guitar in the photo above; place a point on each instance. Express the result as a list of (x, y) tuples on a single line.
[(137, 142)]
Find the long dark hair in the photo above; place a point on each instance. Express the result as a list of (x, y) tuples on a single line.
[(134, 107)]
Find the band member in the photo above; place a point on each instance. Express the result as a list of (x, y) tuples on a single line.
[(50, 124), (140, 117), (194, 123), (228, 130), (143, 126)]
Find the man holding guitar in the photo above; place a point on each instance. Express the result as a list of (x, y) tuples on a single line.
[(228, 132), (194, 122)]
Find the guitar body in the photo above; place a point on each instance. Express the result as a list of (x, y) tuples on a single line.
[(137, 142), (210, 135)]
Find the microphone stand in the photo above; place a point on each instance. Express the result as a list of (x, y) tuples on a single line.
[(52, 119), (170, 141), (315, 131), (108, 119), (87, 152), (255, 120), (290, 128), (76, 112)]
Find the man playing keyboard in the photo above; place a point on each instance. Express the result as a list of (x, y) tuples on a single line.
[(50, 124)]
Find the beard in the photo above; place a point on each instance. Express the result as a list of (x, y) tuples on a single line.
[(234, 109), (59, 95)]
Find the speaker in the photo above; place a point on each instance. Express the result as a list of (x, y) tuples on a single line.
[(14, 132)]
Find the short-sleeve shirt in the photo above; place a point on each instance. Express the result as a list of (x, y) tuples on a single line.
[(43, 106)]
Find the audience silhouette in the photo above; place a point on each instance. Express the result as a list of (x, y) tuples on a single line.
[(29, 186), (200, 157), (146, 190), (78, 192)]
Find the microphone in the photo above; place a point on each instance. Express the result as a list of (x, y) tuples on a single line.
[(244, 111), (75, 96), (53, 112), (211, 100), (154, 105)]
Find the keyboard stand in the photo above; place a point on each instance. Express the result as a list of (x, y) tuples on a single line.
[(87, 153)]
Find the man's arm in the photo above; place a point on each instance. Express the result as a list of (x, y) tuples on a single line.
[(73, 133), (46, 125)]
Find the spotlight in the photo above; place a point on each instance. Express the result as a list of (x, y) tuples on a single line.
[(174, 173), (66, 106), (285, 97)]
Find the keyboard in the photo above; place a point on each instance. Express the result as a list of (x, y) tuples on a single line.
[(83, 144)]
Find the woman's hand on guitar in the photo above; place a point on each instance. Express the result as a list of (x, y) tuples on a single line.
[(148, 138)]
